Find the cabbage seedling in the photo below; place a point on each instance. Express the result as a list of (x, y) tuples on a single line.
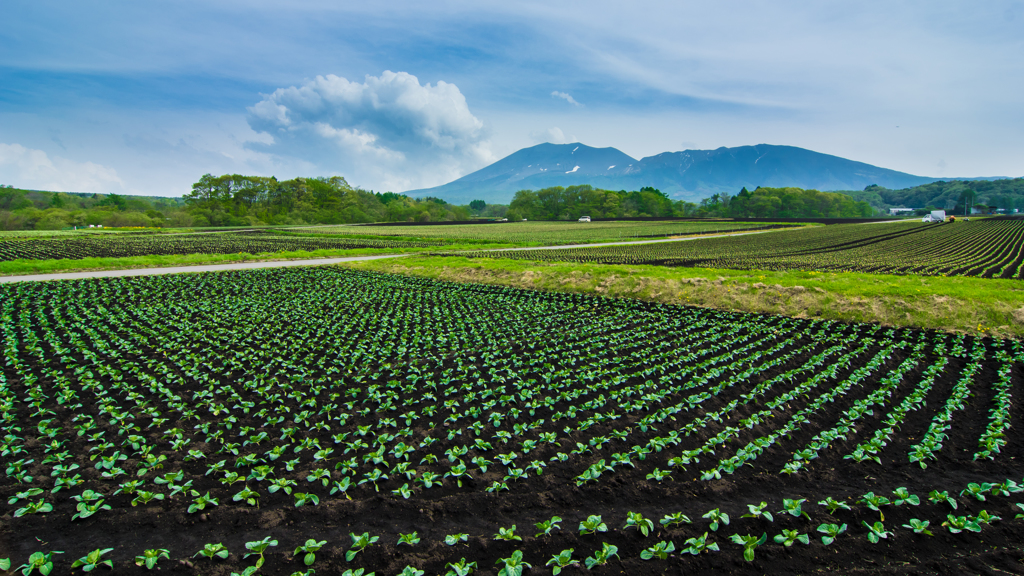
[(904, 496), (547, 526), (453, 539), (875, 503), (758, 511), (410, 539), (831, 532), (359, 543), (793, 507), (509, 534), (25, 495), (831, 504), (40, 507), (699, 544), (93, 559), (977, 490), (250, 497), (149, 558), (259, 547), (201, 502), (661, 550), (309, 549), (592, 525), (602, 556), (717, 518), (876, 532), (562, 560), (676, 518), (749, 543), (788, 537), (513, 565), (39, 561), (919, 526), (458, 472), (938, 497), (212, 550), (404, 491), (637, 520), (460, 568)]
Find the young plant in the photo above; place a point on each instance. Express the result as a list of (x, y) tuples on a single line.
[(41, 561), (309, 549), (547, 526), (832, 505), (875, 503), (938, 497), (453, 539), (210, 551), (602, 556), (149, 558), (675, 519), (876, 532), (303, 498), (562, 560), (717, 518), (749, 543), (201, 502), (356, 572), (903, 496), (258, 547), (409, 539), (411, 571), (637, 520), (788, 537), (957, 524), (592, 525), (661, 550), (699, 544), (918, 526), (513, 565), (977, 490), (359, 543), (831, 532), (507, 534), (758, 511), (93, 559), (40, 507), (460, 568), (793, 507)]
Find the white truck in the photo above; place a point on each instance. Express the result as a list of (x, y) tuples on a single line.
[(584, 219), (935, 216)]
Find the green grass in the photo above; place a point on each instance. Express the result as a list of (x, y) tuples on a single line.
[(958, 304)]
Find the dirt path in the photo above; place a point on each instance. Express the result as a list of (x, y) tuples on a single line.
[(310, 262)]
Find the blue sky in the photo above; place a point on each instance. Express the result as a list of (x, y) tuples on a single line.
[(145, 97)]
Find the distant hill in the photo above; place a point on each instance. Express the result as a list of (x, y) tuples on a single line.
[(687, 175), (1006, 193)]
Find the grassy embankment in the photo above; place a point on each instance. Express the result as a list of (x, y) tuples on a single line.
[(968, 305)]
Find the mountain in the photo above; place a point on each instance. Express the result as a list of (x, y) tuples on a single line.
[(687, 175)]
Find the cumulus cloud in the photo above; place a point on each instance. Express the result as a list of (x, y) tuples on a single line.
[(567, 97), (388, 132), (34, 169), (553, 135)]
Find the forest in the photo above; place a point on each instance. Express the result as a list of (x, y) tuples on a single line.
[(952, 195)]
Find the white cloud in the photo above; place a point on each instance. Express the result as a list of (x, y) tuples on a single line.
[(389, 132), (564, 96), (553, 135), (34, 169)]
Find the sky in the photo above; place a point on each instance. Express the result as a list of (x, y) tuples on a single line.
[(146, 97)]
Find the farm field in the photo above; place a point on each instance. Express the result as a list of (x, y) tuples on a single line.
[(991, 248), (322, 404), (549, 233)]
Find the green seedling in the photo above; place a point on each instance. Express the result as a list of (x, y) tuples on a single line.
[(875, 503), (453, 539), (592, 525), (41, 561), (258, 547), (661, 550), (1019, 516), (507, 534), (919, 526), (309, 550), (675, 519), (562, 560), (985, 518), (149, 558), (637, 520), (602, 556), (410, 539), (831, 532), (749, 543), (547, 526), (794, 507), (144, 497), (359, 543), (25, 495), (832, 505), (200, 503), (356, 572), (698, 545), (250, 497), (717, 518), (93, 560), (957, 524), (85, 510), (758, 511), (458, 472), (460, 568), (876, 532), (904, 496), (211, 551), (513, 565), (658, 475), (788, 537), (40, 507), (938, 497), (303, 498)]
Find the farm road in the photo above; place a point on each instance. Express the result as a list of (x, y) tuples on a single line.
[(311, 262)]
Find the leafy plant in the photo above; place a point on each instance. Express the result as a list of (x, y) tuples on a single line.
[(409, 539), (258, 547), (507, 534), (411, 571), (562, 560), (592, 525), (513, 565), (832, 505), (831, 532), (794, 507), (758, 511), (359, 543), (460, 568), (749, 543), (788, 537), (661, 550), (937, 497), (149, 558), (42, 561), (453, 539), (637, 520), (717, 517), (213, 550), (602, 556), (699, 544), (547, 526), (957, 524), (918, 526), (875, 503), (876, 532), (309, 550), (675, 519), (904, 496), (93, 559)]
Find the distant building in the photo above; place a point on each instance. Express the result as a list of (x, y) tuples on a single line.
[(898, 211)]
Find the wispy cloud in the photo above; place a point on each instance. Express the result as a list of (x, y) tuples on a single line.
[(567, 97), (34, 169)]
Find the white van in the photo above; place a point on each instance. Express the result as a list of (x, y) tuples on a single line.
[(584, 219)]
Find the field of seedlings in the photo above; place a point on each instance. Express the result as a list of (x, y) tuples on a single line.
[(986, 248), (550, 233), (352, 423), (126, 245)]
